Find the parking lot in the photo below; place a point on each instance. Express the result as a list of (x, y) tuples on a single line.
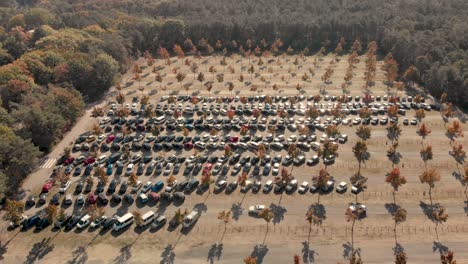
[(156, 159)]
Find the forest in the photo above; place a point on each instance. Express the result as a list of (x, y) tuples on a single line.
[(55, 55)]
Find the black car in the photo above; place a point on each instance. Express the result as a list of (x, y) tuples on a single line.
[(55, 199), (181, 186), (112, 186), (116, 198), (123, 187), (128, 198), (31, 200), (43, 223), (109, 223), (79, 187), (103, 199), (88, 187), (192, 184), (72, 222)]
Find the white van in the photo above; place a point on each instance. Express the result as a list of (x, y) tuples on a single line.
[(123, 221), (84, 221), (191, 218), (147, 218)]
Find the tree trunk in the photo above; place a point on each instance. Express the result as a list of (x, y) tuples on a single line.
[(352, 236)]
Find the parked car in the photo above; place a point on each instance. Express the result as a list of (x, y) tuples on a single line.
[(159, 221), (268, 186), (256, 209), (341, 188)]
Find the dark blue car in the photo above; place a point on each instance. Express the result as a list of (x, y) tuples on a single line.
[(157, 186), (31, 222)]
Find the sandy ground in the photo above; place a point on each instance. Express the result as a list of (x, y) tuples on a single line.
[(288, 233)]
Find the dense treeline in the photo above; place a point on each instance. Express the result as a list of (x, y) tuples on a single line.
[(56, 54)]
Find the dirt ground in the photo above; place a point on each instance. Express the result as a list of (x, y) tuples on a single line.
[(288, 233)]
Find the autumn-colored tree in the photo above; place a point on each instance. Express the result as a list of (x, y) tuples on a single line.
[(267, 215), (137, 216), (133, 179), (363, 132), (14, 210), (365, 112), (250, 260), (332, 131), (426, 154), (359, 181), (321, 179), (100, 173), (440, 214), (227, 150), (97, 111), (395, 179), (296, 259), (51, 212), (328, 148), (120, 98), (225, 217), (95, 212), (454, 130), (357, 47), (447, 258), (351, 216), (420, 114), (430, 176), (360, 153), (392, 111), (458, 153), (393, 131), (206, 180), (423, 131)]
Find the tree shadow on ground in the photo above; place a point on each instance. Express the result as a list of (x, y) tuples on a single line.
[(319, 211), (200, 207), (161, 208), (168, 255), (216, 251), (308, 255), (237, 211), (79, 256), (3, 250), (398, 248), (259, 252), (441, 248), (278, 213), (125, 255), (348, 250), (391, 208), (458, 177), (466, 207), (429, 209), (39, 250)]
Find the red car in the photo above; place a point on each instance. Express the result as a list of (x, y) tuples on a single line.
[(92, 199), (233, 139), (69, 160), (207, 168), (188, 145), (47, 186), (89, 161), (110, 138)]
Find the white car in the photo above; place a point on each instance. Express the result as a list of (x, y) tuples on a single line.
[(292, 185), (275, 169), (84, 221), (200, 144), (168, 169), (359, 208), (146, 187), (169, 188), (101, 159), (268, 186), (304, 187), (98, 222), (256, 209), (342, 187), (65, 186), (247, 186)]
